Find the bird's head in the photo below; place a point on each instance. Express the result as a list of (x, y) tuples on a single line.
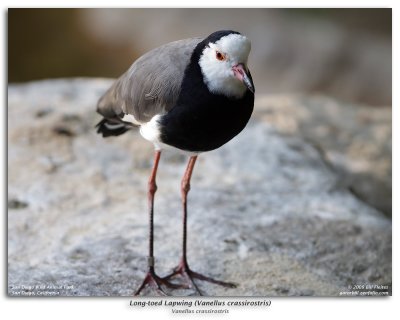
[(223, 63)]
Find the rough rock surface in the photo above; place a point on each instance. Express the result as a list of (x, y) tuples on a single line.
[(265, 210), (355, 140)]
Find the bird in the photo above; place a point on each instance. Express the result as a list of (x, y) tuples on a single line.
[(192, 96)]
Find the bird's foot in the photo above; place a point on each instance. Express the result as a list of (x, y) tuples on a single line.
[(183, 270), (154, 281)]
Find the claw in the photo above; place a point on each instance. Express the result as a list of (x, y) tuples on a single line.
[(184, 270), (154, 281)]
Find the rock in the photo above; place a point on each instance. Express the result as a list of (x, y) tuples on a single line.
[(355, 140), (265, 210)]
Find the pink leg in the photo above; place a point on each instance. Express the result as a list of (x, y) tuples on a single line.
[(183, 267), (151, 278)]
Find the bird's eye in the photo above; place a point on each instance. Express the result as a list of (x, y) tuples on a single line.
[(220, 56)]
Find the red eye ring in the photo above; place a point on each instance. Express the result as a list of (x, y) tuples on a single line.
[(220, 56)]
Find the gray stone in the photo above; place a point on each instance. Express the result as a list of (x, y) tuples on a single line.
[(265, 210), (355, 140)]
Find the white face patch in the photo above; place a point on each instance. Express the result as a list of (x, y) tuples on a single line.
[(218, 74)]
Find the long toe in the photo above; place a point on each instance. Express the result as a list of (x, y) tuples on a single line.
[(208, 279), (155, 282), (189, 277)]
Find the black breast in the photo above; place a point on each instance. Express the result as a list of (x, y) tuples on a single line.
[(205, 127), (201, 120)]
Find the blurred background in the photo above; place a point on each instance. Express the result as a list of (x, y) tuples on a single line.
[(324, 75), (345, 53)]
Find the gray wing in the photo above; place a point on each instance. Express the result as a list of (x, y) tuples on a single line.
[(151, 85)]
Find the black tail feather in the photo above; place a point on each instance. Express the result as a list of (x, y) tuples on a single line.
[(108, 128)]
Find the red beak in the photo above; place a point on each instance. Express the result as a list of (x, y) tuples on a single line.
[(240, 72)]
